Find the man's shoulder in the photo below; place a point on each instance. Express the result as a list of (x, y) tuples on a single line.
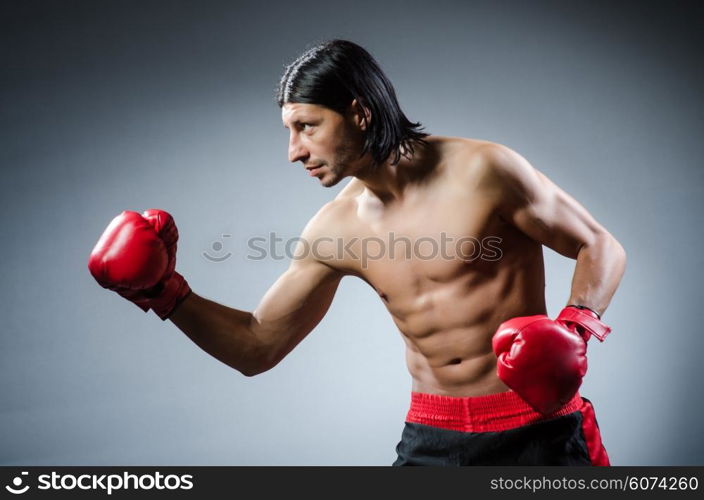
[(452, 151), (333, 216), (478, 159), (333, 223), (463, 149)]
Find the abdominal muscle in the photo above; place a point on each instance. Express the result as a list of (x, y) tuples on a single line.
[(458, 372), (448, 328)]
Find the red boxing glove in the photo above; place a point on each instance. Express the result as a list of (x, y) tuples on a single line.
[(583, 321), (544, 360), (136, 257)]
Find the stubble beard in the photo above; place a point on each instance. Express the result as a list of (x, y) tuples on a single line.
[(334, 176), (345, 155)]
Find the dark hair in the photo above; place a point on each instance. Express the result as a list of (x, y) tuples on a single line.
[(334, 73)]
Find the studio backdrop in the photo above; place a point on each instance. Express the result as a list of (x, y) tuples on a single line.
[(110, 106)]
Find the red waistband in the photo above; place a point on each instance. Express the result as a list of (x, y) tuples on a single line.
[(493, 412)]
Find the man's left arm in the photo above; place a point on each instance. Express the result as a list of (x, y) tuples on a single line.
[(544, 360), (548, 215)]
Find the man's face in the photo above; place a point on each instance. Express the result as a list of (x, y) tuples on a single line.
[(326, 142)]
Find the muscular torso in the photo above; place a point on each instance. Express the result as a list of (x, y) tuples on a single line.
[(448, 267)]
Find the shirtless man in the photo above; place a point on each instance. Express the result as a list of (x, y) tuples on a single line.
[(494, 379)]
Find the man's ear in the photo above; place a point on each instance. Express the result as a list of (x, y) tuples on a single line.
[(361, 115)]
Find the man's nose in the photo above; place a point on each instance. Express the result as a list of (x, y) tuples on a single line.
[(296, 151)]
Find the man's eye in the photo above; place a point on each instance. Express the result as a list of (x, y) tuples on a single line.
[(307, 126)]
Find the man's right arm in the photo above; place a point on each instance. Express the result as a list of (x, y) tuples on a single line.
[(255, 342)]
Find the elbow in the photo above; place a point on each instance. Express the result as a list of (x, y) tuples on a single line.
[(249, 372), (615, 251), (604, 247), (264, 354), (622, 254), (618, 252), (258, 357), (258, 366), (253, 369)]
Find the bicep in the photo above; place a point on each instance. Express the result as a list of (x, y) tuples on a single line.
[(294, 305)]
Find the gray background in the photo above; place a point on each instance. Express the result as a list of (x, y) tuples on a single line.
[(131, 105)]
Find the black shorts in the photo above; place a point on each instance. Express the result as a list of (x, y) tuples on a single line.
[(498, 429)]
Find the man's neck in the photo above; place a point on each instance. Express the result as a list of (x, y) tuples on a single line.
[(388, 182), (383, 181)]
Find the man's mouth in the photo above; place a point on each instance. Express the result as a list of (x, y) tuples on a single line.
[(313, 170)]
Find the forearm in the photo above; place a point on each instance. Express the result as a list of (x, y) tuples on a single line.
[(600, 266), (223, 332)]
